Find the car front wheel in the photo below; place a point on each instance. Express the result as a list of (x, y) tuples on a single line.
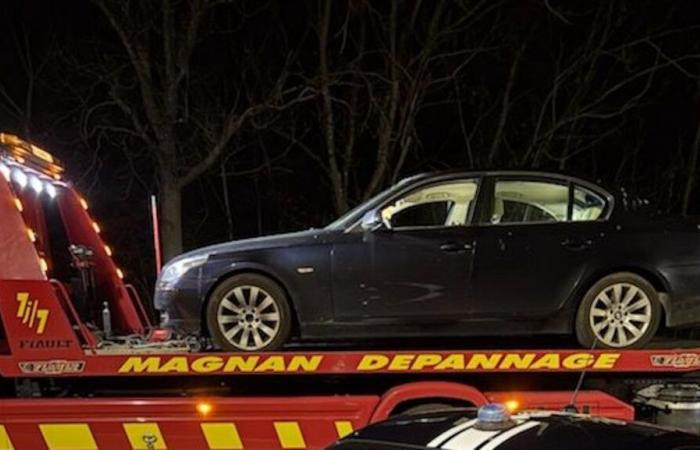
[(621, 310), (248, 313)]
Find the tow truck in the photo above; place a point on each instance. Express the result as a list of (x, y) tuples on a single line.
[(82, 365)]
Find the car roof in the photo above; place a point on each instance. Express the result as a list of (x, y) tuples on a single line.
[(506, 172), (536, 430)]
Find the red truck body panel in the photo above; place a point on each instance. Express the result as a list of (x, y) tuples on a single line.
[(303, 422)]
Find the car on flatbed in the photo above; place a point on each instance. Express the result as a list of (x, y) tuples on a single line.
[(496, 430), (448, 255)]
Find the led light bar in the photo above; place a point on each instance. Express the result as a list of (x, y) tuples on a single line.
[(25, 153), (22, 176), (5, 171)]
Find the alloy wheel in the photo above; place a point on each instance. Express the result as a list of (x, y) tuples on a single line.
[(248, 317), (620, 315)]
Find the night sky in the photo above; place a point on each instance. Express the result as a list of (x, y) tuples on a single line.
[(604, 90)]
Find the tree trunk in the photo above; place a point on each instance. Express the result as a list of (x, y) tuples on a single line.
[(327, 119), (170, 217), (692, 167), (227, 202)]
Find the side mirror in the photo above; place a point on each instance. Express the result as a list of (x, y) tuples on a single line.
[(372, 220), (496, 218)]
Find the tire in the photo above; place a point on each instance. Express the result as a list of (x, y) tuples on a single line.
[(256, 307), (620, 311)]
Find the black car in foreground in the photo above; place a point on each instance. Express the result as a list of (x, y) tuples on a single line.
[(450, 254), (537, 430)]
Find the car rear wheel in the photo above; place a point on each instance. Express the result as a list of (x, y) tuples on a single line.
[(248, 313), (619, 311)]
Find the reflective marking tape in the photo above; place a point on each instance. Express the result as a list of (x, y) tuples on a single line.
[(5, 442), (144, 436), (222, 436), (289, 435), (495, 443), (343, 427), (473, 439), (444, 436), (68, 436), (469, 439)]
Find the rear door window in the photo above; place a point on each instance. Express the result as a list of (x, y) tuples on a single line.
[(529, 201)]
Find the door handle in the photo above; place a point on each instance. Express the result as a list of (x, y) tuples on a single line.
[(577, 244), (455, 247)]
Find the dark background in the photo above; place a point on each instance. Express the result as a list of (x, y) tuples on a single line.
[(267, 116)]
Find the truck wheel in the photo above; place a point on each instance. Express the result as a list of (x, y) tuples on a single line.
[(621, 310), (249, 313)]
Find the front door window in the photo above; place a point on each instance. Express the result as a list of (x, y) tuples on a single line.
[(446, 204)]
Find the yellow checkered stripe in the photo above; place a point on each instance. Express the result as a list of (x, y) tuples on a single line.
[(148, 436)]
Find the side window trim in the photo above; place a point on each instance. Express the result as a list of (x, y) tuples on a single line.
[(479, 180), (483, 201), (570, 205)]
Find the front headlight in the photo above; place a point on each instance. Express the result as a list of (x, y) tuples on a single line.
[(175, 270)]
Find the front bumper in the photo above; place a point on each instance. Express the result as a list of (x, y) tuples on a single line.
[(180, 310)]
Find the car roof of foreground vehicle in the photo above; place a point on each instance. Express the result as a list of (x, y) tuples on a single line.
[(536, 430)]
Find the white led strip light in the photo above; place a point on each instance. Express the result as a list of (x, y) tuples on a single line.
[(23, 177)]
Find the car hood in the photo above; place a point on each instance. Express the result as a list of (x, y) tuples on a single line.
[(264, 242)]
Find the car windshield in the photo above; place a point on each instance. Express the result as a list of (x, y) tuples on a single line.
[(356, 213)]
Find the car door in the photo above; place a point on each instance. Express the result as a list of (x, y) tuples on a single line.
[(415, 267), (535, 243)]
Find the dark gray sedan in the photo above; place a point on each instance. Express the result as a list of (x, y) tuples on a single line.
[(449, 254)]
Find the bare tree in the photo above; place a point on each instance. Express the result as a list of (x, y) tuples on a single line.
[(182, 127), (592, 90), (364, 101), (18, 100), (693, 163)]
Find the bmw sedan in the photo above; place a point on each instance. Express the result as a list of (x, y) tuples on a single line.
[(491, 428), (446, 255)]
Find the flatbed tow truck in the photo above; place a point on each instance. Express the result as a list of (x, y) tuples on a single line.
[(83, 367)]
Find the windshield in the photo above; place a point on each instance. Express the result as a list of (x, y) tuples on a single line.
[(356, 213)]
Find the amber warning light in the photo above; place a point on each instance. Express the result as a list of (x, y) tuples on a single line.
[(204, 408), (512, 405), (25, 153)]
